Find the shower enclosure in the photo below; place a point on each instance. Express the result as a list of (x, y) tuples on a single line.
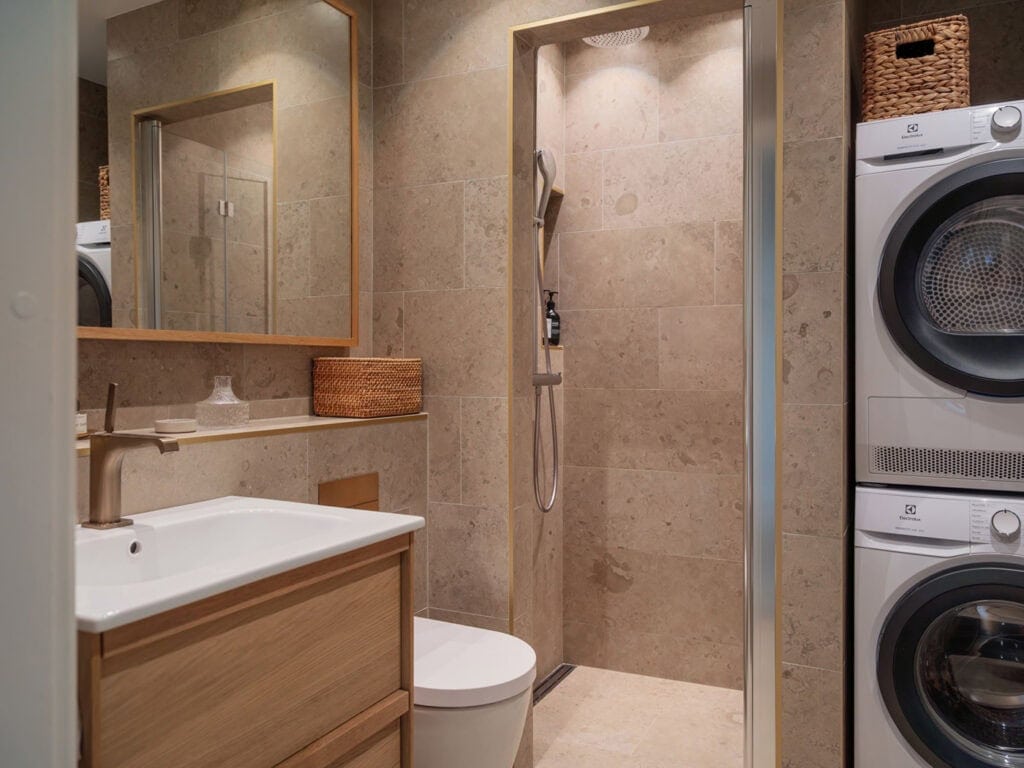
[(205, 225), (660, 241)]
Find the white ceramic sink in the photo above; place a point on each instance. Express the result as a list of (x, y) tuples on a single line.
[(175, 556)]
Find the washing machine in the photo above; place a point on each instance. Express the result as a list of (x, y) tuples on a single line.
[(92, 249), (939, 299), (939, 630)]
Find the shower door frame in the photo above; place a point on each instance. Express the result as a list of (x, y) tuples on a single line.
[(762, 301)]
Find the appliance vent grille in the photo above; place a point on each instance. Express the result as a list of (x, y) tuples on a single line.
[(947, 462)]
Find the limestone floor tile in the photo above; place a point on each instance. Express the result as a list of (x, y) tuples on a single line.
[(703, 728), (603, 719), (605, 722)]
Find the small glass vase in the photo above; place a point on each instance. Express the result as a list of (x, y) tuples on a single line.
[(222, 408)]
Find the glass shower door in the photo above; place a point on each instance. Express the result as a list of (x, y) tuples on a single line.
[(248, 298), (191, 270)]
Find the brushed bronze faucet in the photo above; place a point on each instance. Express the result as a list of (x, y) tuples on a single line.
[(106, 455)]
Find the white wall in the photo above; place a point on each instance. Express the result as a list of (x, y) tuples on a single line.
[(37, 375)]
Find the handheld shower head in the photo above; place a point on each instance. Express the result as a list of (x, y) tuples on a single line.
[(547, 169)]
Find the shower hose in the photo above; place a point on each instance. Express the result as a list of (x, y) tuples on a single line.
[(546, 380)]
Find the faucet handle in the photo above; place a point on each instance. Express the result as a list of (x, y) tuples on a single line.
[(108, 422)]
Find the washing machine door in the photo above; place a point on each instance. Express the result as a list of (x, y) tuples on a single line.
[(94, 301), (951, 666), (951, 282)]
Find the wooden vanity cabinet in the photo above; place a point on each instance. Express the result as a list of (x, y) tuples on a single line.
[(311, 668)]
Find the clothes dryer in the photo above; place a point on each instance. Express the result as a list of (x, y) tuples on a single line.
[(939, 299)]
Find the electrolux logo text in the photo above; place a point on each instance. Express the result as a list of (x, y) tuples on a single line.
[(913, 131), (909, 512)]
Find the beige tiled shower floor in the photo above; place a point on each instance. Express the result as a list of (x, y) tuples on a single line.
[(601, 719)]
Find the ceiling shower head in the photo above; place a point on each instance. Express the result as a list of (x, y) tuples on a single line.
[(618, 39)]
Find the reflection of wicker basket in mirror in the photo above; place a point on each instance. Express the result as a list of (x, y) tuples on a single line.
[(921, 67), (365, 387), (104, 192)]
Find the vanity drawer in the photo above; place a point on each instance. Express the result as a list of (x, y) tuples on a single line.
[(250, 677), (382, 751)]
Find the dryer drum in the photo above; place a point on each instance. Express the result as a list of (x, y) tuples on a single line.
[(971, 274), (951, 282), (950, 666)]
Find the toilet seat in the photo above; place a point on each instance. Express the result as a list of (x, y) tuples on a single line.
[(458, 666)]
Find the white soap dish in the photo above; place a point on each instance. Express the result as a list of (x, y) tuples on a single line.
[(174, 426)]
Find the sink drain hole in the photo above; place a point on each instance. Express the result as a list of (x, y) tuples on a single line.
[(135, 547)]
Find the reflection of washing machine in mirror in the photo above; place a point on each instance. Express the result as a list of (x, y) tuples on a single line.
[(940, 299), (938, 630), (92, 248)]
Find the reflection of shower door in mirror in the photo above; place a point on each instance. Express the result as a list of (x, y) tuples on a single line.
[(214, 255), (248, 295)]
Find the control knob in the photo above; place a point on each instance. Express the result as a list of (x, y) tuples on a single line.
[(1006, 119), (1006, 526)]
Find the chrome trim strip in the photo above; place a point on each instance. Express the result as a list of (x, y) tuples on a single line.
[(762, 306)]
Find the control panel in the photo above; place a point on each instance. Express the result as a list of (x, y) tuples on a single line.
[(1000, 123), (918, 137), (996, 525), (982, 524)]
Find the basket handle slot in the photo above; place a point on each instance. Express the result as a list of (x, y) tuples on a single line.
[(915, 49)]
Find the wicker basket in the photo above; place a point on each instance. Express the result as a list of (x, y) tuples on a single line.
[(365, 387), (104, 192), (905, 75)]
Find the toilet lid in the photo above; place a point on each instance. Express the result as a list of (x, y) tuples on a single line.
[(459, 666)]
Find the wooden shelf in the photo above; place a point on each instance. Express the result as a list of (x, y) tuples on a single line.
[(264, 427)]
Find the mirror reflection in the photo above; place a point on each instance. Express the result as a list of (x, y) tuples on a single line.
[(217, 171)]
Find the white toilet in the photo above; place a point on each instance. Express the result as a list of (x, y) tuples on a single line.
[(472, 693)]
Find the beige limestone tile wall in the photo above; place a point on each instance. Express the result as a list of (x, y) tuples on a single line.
[(997, 57), (287, 467), (158, 379), (440, 275), (819, 74), (650, 282)]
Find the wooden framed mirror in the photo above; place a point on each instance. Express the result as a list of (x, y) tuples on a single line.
[(233, 202)]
